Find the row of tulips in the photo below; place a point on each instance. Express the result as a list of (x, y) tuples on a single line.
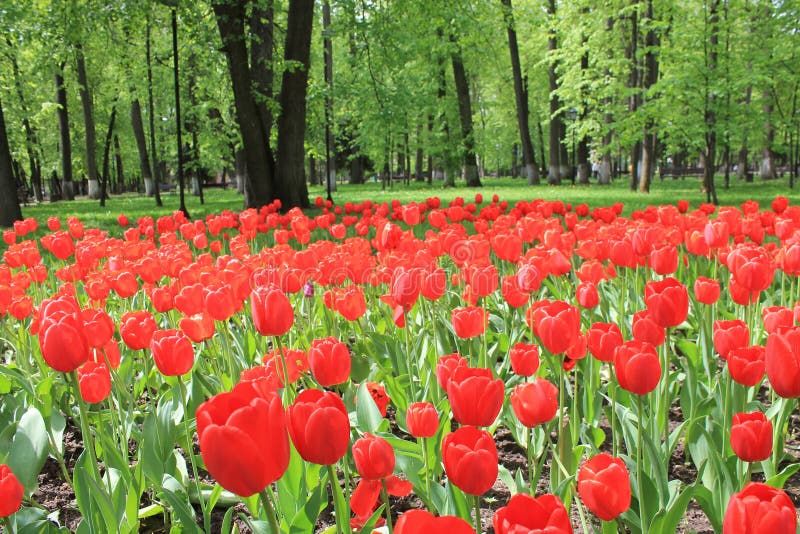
[(550, 320)]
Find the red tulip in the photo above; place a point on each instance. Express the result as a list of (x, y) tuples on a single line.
[(374, 457), (746, 365), (446, 366), (94, 381), (330, 361), (63, 344), (422, 420), (646, 329), (475, 397), (524, 513), (783, 362), (172, 352), (751, 436), (556, 323), (379, 396), (603, 339), (777, 317), (243, 439), (524, 359), (272, 312), (11, 492), (469, 322), (668, 301), (137, 329), (637, 367), (512, 293), (752, 267), (759, 508), (319, 426), (664, 259), (470, 459), (198, 327), (97, 326), (535, 403), (605, 486), (586, 295), (706, 290), (221, 303), (416, 521), (729, 335)]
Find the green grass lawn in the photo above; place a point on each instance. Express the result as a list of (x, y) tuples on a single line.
[(667, 192)]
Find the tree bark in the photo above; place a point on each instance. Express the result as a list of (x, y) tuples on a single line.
[(556, 124), (583, 169), (470, 161), (31, 138), (330, 144), (106, 154), (710, 111), (521, 95), (67, 192), (767, 156), (9, 200), (291, 187), (258, 185), (649, 78), (634, 83), (88, 122), (178, 123), (141, 144), (262, 40), (120, 185), (155, 190)]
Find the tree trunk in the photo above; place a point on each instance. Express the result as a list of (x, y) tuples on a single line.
[(192, 126), (262, 38), (65, 142), (156, 192), (240, 163), (120, 185), (88, 121), (470, 161), (9, 200), (31, 138), (178, 122), (141, 145), (521, 95), (556, 127), (330, 144), (767, 156), (258, 186), (710, 111), (291, 186), (584, 169), (649, 78), (634, 83), (106, 154), (419, 173)]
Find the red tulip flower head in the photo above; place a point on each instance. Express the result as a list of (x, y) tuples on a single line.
[(422, 420), (524, 513), (172, 352), (524, 359), (374, 457), (729, 335), (706, 290), (646, 329), (637, 367), (319, 426), (475, 397), (783, 362), (746, 365), (330, 361), (11, 492), (751, 436), (94, 381), (668, 301), (243, 439), (469, 322), (470, 459), (603, 339), (446, 366), (605, 486), (759, 508), (586, 295), (535, 403), (272, 312), (416, 521), (556, 323), (137, 328)]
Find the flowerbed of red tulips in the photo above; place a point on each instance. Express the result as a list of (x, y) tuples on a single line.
[(353, 369)]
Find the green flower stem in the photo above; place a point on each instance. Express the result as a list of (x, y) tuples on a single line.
[(639, 466), (613, 390), (269, 510), (478, 527), (665, 397), (424, 446), (7, 524), (287, 387), (410, 356), (88, 440), (339, 503), (192, 458), (385, 497)]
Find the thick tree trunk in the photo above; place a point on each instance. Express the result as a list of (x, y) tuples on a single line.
[(262, 36), (291, 186), (521, 95), (88, 122), (106, 155), (258, 186), (470, 161), (65, 143), (141, 145), (31, 138), (155, 192), (556, 127), (9, 201)]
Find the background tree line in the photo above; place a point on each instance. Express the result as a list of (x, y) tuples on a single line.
[(272, 89)]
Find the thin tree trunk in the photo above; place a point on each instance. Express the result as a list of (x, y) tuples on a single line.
[(767, 155), (156, 190), (470, 161), (330, 144), (9, 201), (106, 154), (141, 144), (178, 123), (556, 127), (521, 95), (88, 121), (32, 142), (118, 161), (291, 186), (584, 169), (258, 185), (419, 173), (67, 192), (710, 111)]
